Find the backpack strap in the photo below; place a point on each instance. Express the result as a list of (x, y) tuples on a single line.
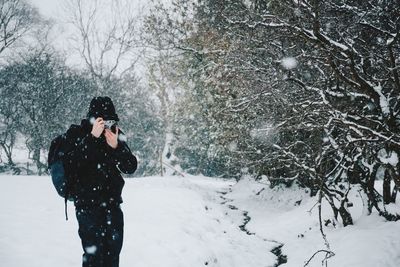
[(65, 206), (67, 191)]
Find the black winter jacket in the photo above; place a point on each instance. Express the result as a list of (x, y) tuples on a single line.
[(95, 168)]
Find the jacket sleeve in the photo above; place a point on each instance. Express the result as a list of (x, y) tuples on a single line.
[(123, 158), (83, 151)]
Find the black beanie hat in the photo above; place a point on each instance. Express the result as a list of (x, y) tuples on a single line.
[(102, 107)]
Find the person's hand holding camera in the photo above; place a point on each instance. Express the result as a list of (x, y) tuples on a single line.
[(111, 138), (98, 127)]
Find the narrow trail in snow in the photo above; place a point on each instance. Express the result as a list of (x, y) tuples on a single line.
[(277, 251)]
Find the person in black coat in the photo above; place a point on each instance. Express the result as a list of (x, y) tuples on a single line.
[(95, 164)]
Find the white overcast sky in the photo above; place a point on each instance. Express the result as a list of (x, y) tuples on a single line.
[(48, 8), (53, 8)]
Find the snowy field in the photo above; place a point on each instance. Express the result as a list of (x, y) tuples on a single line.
[(192, 221)]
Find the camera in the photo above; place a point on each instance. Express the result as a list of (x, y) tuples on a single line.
[(110, 124)]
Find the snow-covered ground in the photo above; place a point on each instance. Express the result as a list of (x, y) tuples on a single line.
[(284, 216), (191, 221)]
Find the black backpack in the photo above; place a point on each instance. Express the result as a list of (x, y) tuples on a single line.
[(62, 182)]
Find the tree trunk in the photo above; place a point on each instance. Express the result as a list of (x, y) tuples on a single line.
[(394, 194), (346, 216), (36, 159), (371, 188), (8, 150), (387, 196)]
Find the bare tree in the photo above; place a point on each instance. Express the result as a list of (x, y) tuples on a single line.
[(17, 17), (105, 37)]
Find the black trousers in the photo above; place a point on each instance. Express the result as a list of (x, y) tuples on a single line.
[(101, 230)]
